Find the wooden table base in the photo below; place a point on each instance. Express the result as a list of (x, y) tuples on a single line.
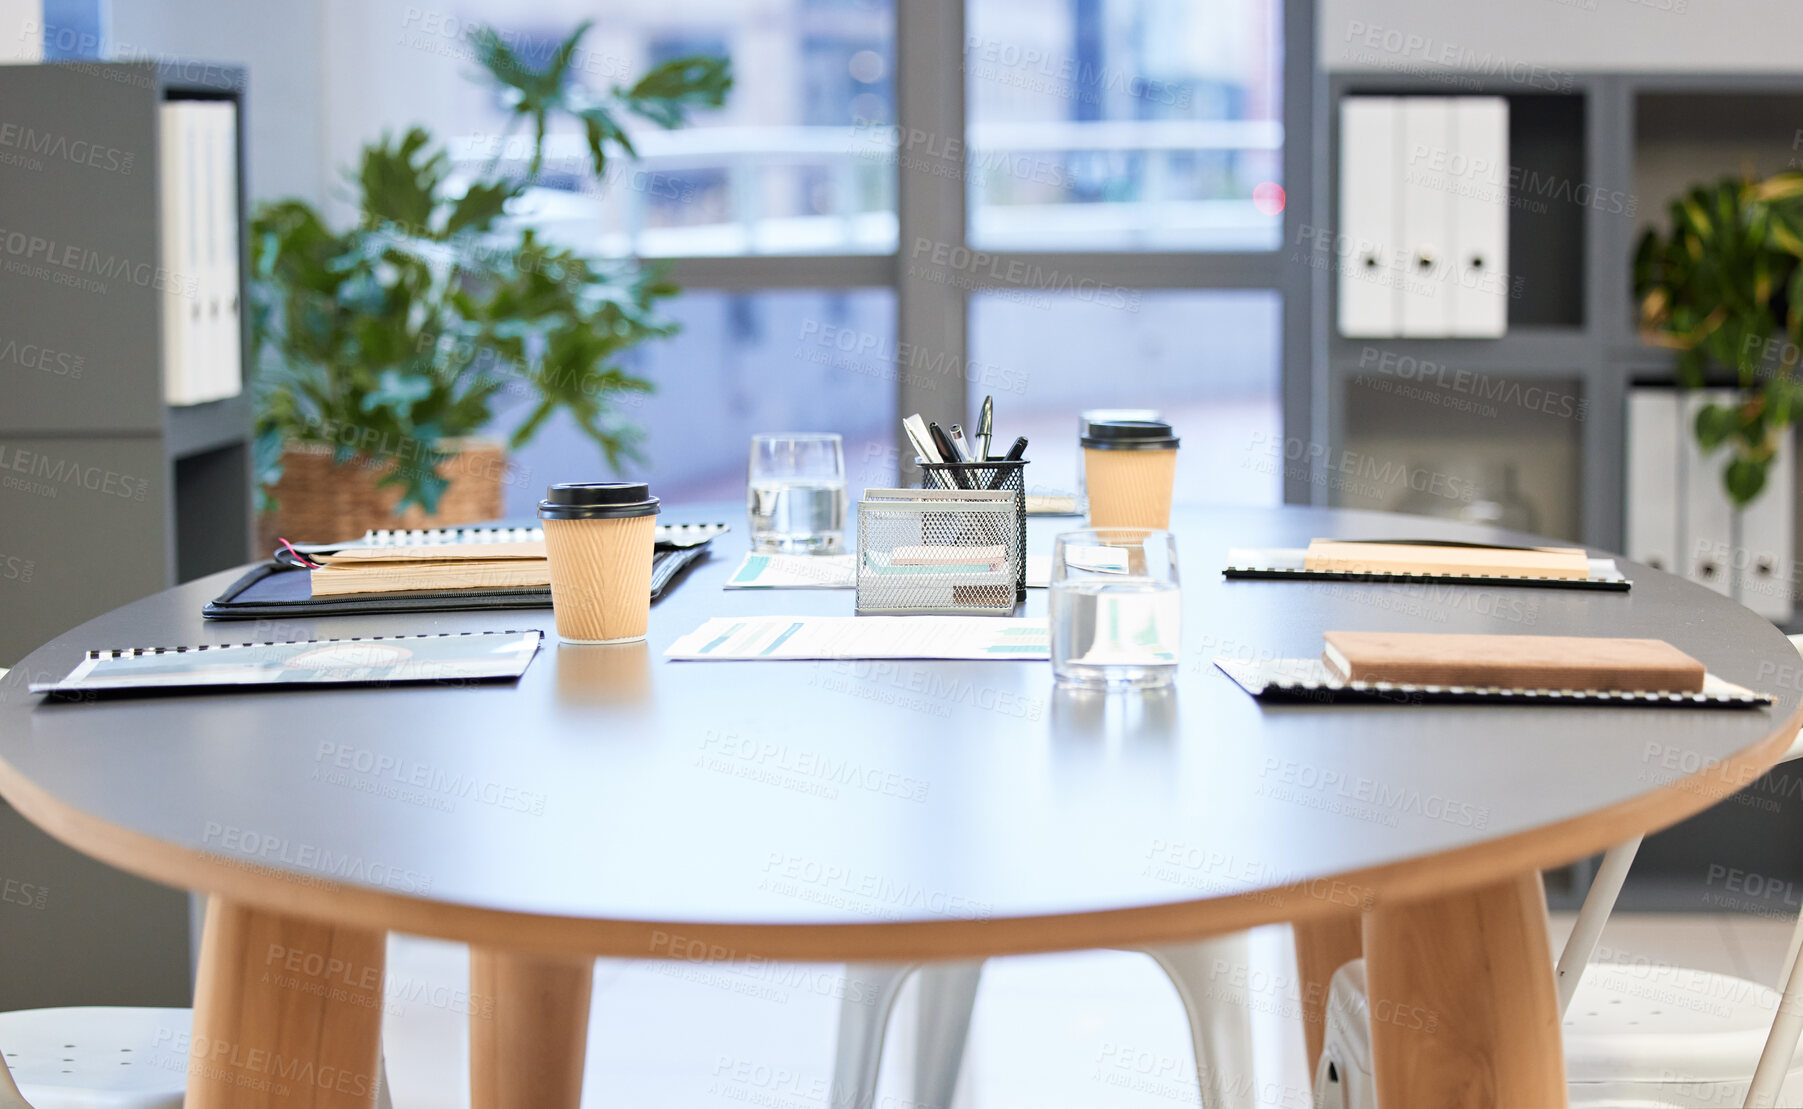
[(1463, 1008), (529, 1048), (287, 1012)]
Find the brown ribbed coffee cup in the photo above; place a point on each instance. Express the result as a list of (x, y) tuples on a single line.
[(600, 539), (1129, 470)]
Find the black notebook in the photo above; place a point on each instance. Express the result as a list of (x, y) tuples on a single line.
[(282, 587)]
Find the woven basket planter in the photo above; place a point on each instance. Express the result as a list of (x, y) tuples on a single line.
[(319, 501)]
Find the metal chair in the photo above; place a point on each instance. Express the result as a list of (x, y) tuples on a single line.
[(1651, 1036), (1220, 1028), (84, 1058), (102, 1058)]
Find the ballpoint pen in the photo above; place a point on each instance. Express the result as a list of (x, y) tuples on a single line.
[(965, 452), (1015, 453), (947, 451), (985, 428)]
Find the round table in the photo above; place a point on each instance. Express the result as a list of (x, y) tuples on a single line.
[(616, 803)]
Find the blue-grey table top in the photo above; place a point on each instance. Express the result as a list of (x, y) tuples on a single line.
[(611, 785)]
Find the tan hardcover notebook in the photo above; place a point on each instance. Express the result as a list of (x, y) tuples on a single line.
[(400, 577), (1512, 661), (1339, 556)]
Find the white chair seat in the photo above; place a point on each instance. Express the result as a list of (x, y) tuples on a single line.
[(1220, 1027), (98, 1058), (1636, 1035)]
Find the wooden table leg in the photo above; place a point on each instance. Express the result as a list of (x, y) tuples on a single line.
[(1322, 947), (1463, 1006), (529, 1047), (287, 1012)]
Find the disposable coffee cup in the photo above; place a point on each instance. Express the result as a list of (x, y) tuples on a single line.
[(1129, 467), (600, 537), (1102, 416)]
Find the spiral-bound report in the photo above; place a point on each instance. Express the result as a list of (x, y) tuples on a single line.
[(367, 660), (1309, 680)]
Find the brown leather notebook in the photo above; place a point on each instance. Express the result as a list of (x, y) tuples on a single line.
[(1341, 556), (1512, 661)]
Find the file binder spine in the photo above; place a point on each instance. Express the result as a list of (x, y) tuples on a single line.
[(138, 652), (680, 534)]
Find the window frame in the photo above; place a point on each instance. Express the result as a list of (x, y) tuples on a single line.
[(931, 207)]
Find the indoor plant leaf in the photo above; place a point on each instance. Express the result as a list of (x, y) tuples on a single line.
[(1714, 424), (479, 206), (397, 189), (665, 95), (1744, 479)]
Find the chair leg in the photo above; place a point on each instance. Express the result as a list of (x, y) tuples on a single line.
[(1220, 1029), (10, 1097), (870, 993), (948, 994), (384, 1100), (1790, 956), (1781, 1042), (1599, 902)]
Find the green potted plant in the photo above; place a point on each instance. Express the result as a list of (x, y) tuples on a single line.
[(1724, 289), (382, 348)]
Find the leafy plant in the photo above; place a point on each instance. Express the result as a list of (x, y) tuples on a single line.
[(390, 337), (1726, 280)]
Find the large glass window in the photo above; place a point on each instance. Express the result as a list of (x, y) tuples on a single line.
[(1125, 124), (1117, 128), (797, 162), (794, 360), (777, 171), (1208, 360)]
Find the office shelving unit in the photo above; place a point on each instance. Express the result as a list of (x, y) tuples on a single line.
[(106, 491), (1633, 141), (1622, 145), (1558, 254), (107, 494)]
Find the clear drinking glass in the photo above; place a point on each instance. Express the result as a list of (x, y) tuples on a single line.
[(1116, 607), (796, 495)]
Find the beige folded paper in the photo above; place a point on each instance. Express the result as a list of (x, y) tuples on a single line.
[(947, 556), (1337, 556), (441, 552), (402, 577)]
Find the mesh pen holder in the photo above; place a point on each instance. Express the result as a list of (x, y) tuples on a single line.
[(938, 552), (995, 475)]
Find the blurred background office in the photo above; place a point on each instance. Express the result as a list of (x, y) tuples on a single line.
[(1125, 128)]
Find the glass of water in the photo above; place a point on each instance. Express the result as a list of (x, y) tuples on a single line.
[(796, 497), (1117, 608)]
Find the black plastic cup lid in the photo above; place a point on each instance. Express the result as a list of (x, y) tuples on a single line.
[(1130, 435), (597, 500)]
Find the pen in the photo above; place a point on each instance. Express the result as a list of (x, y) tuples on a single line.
[(985, 428), (922, 440), (917, 435), (947, 450), (963, 445), (1014, 455)]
